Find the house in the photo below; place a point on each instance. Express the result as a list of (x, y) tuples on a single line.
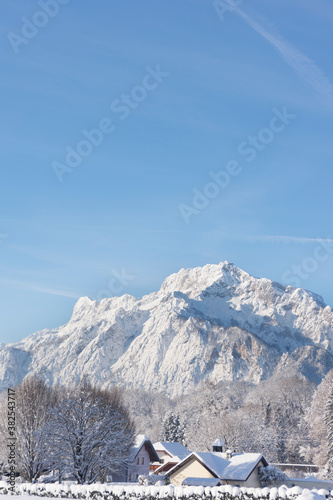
[(142, 455), (238, 469), (169, 455)]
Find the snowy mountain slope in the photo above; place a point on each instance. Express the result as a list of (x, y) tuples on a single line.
[(211, 323)]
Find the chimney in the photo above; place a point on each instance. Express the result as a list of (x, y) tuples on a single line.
[(228, 454), (217, 445)]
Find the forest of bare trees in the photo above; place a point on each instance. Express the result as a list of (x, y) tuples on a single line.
[(82, 432), (283, 418), (87, 432)]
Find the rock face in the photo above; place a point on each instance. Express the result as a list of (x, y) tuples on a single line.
[(209, 323)]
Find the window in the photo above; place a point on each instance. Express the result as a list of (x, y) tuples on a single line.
[(137, 460), (129, 476), (142, 460)]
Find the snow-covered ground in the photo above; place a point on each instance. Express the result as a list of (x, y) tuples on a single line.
[(17, 497)]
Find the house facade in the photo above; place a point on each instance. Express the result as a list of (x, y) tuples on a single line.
[(169, 455), (139, 464), (239, 469)]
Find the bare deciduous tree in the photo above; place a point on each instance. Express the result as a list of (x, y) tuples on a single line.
[(90, 432), (33, 400)]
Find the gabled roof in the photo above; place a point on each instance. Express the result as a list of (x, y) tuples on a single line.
[(140, 441), (237, 468), (176, 450), (162, 469)]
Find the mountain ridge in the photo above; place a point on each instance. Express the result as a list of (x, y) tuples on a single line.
[(215, 322)]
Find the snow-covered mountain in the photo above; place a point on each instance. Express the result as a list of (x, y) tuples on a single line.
[(209, 323)]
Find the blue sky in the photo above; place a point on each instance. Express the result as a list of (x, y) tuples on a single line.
[(115, 223)]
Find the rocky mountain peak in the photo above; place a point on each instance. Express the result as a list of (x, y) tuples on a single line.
[(211, 323), (194, 281)]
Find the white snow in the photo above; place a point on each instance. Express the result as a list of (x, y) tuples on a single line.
[(134, 491), (310, 495), (237, 468), (176, 450), (18, 497), (204, 481), (208, 323), (218, 442)]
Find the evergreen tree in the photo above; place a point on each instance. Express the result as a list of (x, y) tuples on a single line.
[(173, 428), (329, 432), (271, 476)]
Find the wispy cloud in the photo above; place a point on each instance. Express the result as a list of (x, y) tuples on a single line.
[(284, 239), (302, 65), (41, 289)]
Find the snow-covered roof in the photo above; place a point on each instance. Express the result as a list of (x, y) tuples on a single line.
[(218, 442), (237, 468), (202, 481), (176, 450), (140, 441)]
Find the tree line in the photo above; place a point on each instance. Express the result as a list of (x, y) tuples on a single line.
[(287, 418), (89, 433), (83, 432)]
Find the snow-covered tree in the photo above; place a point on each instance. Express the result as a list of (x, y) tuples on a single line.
[(271, 476), (173, 428), (316, 450), (90, 433), (33, 400), (148, 410), (328, 418), (267, 418), (279, 405)]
